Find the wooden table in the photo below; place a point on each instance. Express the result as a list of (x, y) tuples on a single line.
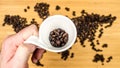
[(83, 56)]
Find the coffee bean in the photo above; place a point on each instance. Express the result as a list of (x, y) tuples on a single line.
[(74, 13), (83, 45), (99, 36), (61, 33), (57, 33), (97, 41), (72, 55), (53, 36), (58, 42), (66, 15), (33, 19), (25, 10), (61, 39), (65, 39), (53, 39), (59, 36), (28, 7), (57, 7), (51, 33), (58, 30), (67, 9), (83, 11), (52, 42), (65, 35), (104, 45)]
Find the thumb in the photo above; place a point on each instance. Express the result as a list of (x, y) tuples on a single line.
[(22, 55)]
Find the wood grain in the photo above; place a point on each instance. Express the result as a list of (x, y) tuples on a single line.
[(83, 56)]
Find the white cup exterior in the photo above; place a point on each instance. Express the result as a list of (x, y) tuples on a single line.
[(54, 22)]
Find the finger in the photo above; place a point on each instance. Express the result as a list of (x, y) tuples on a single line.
[(38, 53), (8, 48), (25, 33), (12, 42), (22, 54)]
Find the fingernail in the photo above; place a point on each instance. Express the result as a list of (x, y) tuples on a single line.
[(35, 60)]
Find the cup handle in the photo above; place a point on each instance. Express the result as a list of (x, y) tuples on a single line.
[(34, 40)]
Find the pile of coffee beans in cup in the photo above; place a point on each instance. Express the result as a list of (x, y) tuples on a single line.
[(58, 37)]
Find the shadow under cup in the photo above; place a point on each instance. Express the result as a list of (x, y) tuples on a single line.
[(54, 22)]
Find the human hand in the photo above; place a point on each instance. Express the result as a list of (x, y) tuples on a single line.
[(15, 53)]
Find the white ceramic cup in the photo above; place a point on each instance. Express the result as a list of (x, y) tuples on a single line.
[(48, 25)]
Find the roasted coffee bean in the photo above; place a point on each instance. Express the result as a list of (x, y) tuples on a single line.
[(51, 33), (83, 45), (101, 30), (66, 39), (67, 9), (25, 10), (64, 35), (99, 36), (66, 15), (61, 39), (58, 37), (97, 41), (72, 55), (104, 45), (59, 30), (57, 7), (33, 19), (53, 36), (62, 44), (52, 42), (74, 13), (53, 39), (83, 11), (28, 7), (58, 42), (57, 33), (70, 48)]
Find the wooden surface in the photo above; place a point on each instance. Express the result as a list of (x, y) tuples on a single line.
[(83, 56)]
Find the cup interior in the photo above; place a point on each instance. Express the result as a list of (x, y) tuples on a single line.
[(54, 22)]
